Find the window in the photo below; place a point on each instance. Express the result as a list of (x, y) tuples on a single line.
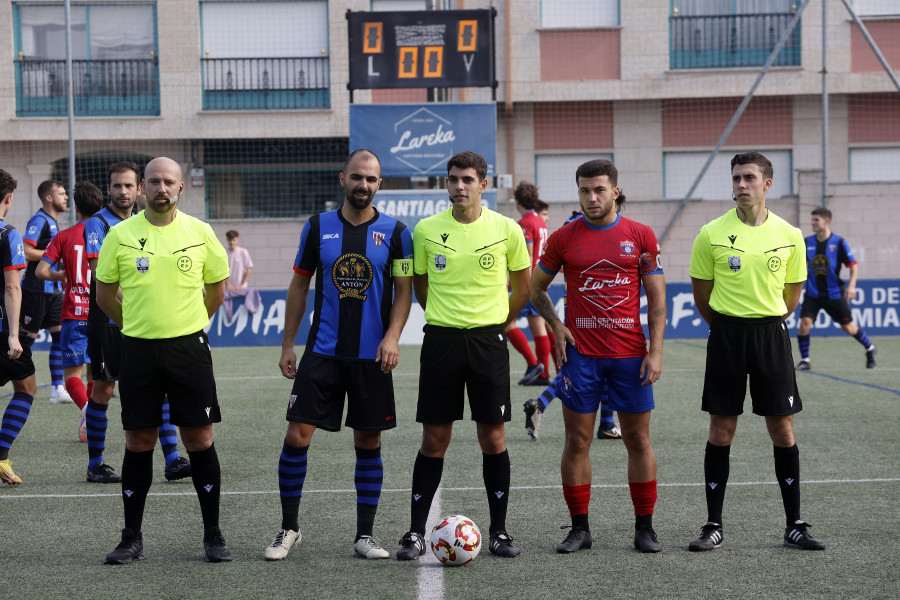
[(555, 175), (682, 168), (874, 164), (114, 59), (397, 5), (579, 14), (265, 55)]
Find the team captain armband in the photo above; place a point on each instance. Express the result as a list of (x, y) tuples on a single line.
[(402, 267)]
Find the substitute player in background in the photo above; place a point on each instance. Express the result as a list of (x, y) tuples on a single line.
[(463, 257), (68, 247), (15, 353), (362, 260), (606, 259), (747, 273), (42, 300), (172, 271), (826, 252)]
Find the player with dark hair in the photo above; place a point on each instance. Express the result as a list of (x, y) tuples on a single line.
[(42, 300), (362, 260), (606, 259), (172, 271), (15, 352), (68, 246), (747, 273), (826, 252), (463, 257)]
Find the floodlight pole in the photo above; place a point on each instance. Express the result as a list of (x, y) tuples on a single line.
[(824, 105), (70, 105)]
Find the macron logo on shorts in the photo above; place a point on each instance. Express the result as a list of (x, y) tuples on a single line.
[(208, 408)]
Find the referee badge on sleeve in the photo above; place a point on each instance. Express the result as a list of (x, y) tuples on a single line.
[(143, 264)]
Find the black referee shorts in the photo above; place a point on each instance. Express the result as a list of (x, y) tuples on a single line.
[(838, 310), (758, 348), (454, 360)]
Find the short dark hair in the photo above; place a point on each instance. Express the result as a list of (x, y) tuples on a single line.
[(620, 200), (8, 184), (47, 186), (122, 167), (88, 198), (596, 168), (540, 205), (822, 212), (361, 151), (526, 194), (754, 158), (468, 160), (231, 234)]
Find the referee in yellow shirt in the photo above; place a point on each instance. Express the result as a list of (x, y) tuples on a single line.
[(163, 259), (462, 258), (747, 271)]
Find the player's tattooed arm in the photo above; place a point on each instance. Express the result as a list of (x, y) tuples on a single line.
[(540, 299)]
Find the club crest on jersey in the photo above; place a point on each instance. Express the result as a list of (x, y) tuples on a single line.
[(93, 239), (735, 263), (143, 264), (627, 246), (377, 237), (352, 276), (831, 247), (291, 401), (486, 261), (774, 264), (440, 262)]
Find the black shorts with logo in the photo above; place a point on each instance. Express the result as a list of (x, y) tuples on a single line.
[(321, 384), (180, 368), (19, 368), (105, 352), (758, 348), (454, 361), (838, 310), (40, 311)]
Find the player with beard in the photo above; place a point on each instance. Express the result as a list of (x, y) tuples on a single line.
[(362, 261)]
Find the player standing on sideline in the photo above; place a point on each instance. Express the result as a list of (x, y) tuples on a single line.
[(15, 354), (537, 370), (825, 253), (163, 260), (42, 300), (68, 246), (606, 258), (362, 259), (463, 257), (747, 273)]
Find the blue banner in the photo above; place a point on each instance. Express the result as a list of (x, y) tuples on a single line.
[(411, 206), (416, 140)]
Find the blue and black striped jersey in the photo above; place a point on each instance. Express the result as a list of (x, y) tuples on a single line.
[(823, 262)]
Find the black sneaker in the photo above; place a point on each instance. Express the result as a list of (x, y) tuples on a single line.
[(797, 536), (533, 417), (540, 381), (804, 365), (412, 546), (870, 357), (532, 373), (645, 539), (178, 469), (214, 544), (502, 545), (711, 536), (578, 539), (103, 473), (130, 549)]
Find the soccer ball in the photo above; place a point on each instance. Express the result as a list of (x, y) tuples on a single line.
[(456, 540)]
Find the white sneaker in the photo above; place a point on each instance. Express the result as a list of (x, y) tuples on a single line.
[(369, 547), (285, 539), (59, 395)]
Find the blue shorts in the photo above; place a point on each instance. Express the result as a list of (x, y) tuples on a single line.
[(582, 384), (73, 343), (528, 311)]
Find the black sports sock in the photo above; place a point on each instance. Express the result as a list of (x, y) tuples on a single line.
[(715, 469), (426, 479), (368, 478), (787, 469), (495, 468), (137, 476), (207, 478), (291, 477)]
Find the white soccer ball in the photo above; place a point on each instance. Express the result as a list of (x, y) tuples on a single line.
[(456, 540)]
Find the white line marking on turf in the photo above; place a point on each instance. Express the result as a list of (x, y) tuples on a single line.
[(430, 574), (434, 518)]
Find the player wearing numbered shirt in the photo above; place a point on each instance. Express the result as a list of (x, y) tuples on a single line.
[(826, 253), (362, 261), (15, 353), (747, 272), (463, 257), (172, 271), (606, 258)]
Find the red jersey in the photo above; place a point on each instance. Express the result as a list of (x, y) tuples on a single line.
[(603, 268), (535, 230), (68, 245)]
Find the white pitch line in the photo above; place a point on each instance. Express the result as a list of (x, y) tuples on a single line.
[(430, 572)]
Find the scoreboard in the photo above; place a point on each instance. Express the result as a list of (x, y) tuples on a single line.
[(416, 49)]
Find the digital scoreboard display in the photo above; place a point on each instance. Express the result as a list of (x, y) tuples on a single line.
[(416, 49)]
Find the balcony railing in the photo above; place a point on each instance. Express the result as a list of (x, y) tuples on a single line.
[(727, 41), (265, 83), (101, 87)]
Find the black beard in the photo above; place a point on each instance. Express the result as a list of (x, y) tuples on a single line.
[(358, 204)]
